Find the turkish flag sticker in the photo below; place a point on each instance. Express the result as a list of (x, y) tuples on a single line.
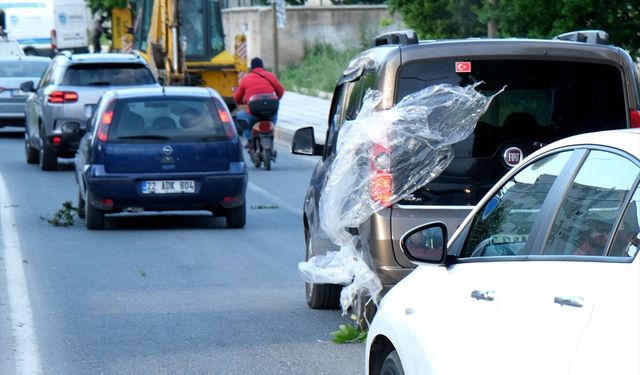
[(463, 67)]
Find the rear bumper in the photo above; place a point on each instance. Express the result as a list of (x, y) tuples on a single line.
[(12, 112), (213, 191)]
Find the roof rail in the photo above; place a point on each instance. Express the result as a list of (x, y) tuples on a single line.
[(68, 54), (401, 37), (585, 36)]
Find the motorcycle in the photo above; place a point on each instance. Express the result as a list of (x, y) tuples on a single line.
[(264, 107)]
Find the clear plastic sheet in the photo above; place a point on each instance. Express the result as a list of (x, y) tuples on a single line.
[(381, 156)]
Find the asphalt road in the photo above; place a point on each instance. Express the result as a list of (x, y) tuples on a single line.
[(167, 294)]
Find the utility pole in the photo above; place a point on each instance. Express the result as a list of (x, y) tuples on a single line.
[(276, 56)]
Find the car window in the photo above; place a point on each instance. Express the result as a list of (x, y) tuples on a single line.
[(47, 76), (107, 74), (336, 117), (626, 240), (20, 68), (543, 101), (585, 220), (503, 225), (169, 118)]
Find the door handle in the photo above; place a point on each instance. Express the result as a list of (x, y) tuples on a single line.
[(569, 301), (487, 295)]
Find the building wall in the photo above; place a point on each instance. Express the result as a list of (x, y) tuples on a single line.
[(340, 26)]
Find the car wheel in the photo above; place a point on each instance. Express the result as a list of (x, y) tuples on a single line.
[(81, 206), (392, 365), (320, 296), (267, 159), (237, 217), (48, 159), (94, 217), (30, 152)]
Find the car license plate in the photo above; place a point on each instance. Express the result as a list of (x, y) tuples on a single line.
[(168, 187)]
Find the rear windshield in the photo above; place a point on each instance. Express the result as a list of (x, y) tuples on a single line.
[(107, 75), (543, 101), (20, 68), (162, 119)]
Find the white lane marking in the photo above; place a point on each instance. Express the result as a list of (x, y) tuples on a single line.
[(27, 357), (289, 207)]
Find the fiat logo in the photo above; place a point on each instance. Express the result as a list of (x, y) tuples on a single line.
[(168, 150), (512, 156)]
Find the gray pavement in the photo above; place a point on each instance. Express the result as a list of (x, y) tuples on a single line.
[(299, 111)]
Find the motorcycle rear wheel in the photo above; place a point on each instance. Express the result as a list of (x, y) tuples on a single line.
[(267, 159)]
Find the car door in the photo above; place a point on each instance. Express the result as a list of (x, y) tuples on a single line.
[(462, 314), (546, 301)]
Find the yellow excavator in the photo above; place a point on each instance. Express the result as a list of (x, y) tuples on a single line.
[(183, 42)]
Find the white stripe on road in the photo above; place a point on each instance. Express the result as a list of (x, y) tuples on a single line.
[(279, 202), (27, 358)]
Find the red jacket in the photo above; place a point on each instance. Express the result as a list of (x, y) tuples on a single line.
[(254, 83)]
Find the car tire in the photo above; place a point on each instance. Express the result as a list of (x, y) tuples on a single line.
[(47, 158), (30, 152), (237, 217), (320, 296), (94, 217), (81, 206), (392, 365)]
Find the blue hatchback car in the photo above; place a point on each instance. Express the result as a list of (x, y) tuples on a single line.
[(161, 149)]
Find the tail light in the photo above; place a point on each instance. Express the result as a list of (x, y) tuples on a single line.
[(63, 97), (263, 126), (635, 118), (54, 40), (105, 122), (381, 184), (229, 128)]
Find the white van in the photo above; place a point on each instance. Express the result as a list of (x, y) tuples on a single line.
[(43, 27)]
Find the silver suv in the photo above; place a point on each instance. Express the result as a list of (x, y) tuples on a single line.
[(59, 107), (575, 83)]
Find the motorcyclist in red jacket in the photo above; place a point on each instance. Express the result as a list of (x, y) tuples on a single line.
[(257, 81)]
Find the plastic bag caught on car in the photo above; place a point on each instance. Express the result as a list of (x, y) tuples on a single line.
[(382, 156)]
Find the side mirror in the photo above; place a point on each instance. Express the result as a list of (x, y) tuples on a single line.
[(426, 243), (304, 143), (27, 86)]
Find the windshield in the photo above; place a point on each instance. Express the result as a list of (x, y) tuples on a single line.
[(108, 74), (20, 68), (543, 101), (161, 119)]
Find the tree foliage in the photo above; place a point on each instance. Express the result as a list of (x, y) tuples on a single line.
[(439, 19), (105, 6)]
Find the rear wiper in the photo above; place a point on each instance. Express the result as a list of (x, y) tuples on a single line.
[(146, 136), (100, 83)]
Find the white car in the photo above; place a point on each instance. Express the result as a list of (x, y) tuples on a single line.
[(542, 277)]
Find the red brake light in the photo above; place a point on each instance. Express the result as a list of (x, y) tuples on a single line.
[(635, 118), (105, 121), (265, 126), (229, 129), (381, 185), (63, 97), (56, 140)]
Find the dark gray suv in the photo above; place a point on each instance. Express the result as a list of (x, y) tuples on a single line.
[(60, 105), (575, 83)]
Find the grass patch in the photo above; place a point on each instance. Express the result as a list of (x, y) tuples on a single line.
[(319, 71)]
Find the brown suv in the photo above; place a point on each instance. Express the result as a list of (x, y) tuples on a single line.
[(575, 83)]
